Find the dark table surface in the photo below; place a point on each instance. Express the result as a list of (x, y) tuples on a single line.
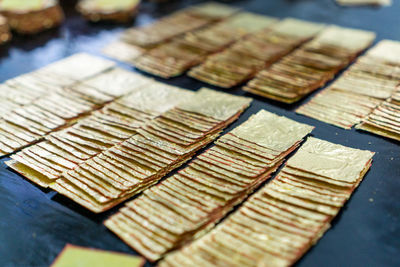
[(35, 224)]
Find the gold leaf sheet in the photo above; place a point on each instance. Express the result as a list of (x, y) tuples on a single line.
[(330, 160), (123, 51), (214, 104), (272, 131), (117, 82), (79, 66), (350, 39)]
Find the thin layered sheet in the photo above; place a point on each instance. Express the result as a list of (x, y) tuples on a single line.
[(385, 119), (311, 66), (43, 101), (367, 83), (186, 205), (158, 147), (244, 58), (181, 53), (123, 51), (364, 2), (279, 223), (26, 88), (177, 23), (116, 122)]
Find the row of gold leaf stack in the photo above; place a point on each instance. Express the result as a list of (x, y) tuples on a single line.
[(24, 89), (138, 40), (181, 53), (189, 203), (120, 171), (243, 45), (40, 102), (311, 66), (252, 53), (177, 23), (279, 223), (385, 119), (116, 122), (351, 98)]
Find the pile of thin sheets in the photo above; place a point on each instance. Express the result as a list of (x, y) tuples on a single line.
[(385, 119), (181, 53), (157, 148), (284, 57), (353, 96), (311, 66), (252, 53), (186, 205), (177, 23), (170, 26), (45, 100), (135, 41), (116, 122), (278, 224), (364, 2)]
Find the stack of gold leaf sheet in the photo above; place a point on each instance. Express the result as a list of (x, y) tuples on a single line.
[(278, 224), (364, 2), (177, 23), (37, 103), (175, 57), (64, 150), (385, 119), (26, 88), (189, 203), (244, 58), (163, 29), (310, 66), (134, 41), (160, 146), (371, 80)]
